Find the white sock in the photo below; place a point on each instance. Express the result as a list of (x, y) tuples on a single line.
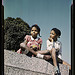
[(40, 56)]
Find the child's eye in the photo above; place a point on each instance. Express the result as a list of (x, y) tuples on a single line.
[(31, 30), (52, 34), (35, 30)]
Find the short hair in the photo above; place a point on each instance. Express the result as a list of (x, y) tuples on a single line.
[(57, 31)]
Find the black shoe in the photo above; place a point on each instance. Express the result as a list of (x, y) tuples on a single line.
[(57, 73)]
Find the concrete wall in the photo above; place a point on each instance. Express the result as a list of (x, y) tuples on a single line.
[(20, 64)]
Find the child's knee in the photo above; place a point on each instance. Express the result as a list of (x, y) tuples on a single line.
[(22, 45), (53, 53)]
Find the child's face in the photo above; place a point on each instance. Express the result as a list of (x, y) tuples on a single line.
[(34, 32), (52, 34)]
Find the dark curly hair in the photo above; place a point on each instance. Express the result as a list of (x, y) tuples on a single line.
[(57, 31), (36, 26)]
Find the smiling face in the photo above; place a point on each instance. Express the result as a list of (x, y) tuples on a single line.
[(53, 34), (34, 32)]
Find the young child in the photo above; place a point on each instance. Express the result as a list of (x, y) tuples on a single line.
[(54, 47), (31, 41)]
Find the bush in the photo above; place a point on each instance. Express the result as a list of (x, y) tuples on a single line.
[(14, 32)]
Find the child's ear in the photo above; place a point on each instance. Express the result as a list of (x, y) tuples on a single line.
[(58, 36), (38, 32)]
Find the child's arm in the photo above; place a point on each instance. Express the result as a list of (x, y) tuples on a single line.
[(25, 41), (50, 39), (40, 46), (22, 45)]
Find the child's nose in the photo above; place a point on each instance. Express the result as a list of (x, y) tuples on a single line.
[(50, 35), (33, 31)]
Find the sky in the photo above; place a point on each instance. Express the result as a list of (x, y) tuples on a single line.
[(47, 14)]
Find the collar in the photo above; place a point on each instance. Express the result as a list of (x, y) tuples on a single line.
[(34, 39)]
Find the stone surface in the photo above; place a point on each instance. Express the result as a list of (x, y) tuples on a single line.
[(20, 64)]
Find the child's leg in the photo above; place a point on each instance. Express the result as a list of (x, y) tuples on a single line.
[(53, 53), (45, 53), (38, 53), (65, 63), (25, 47), (42, 51)]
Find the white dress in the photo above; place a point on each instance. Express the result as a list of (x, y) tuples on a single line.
[(57, 45)]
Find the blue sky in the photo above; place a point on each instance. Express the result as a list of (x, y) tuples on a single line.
[(47, 14)]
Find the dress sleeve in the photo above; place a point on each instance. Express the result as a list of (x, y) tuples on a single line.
[(58, 45), (40, 42), (49, 45), (27, 38)]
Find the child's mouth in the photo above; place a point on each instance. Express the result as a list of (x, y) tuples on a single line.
[(33, 33)]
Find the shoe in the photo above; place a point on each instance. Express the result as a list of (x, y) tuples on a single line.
[(57, 73)]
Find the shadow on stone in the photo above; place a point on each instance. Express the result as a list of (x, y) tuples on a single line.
[(20, 64)]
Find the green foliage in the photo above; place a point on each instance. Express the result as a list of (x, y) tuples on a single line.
[(14, 32)]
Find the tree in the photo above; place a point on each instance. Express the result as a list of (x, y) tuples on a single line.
[(14, 32)]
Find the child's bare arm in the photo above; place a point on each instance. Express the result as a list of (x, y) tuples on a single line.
[(40, 46), (25, 42), (50, 39), (22, 45)]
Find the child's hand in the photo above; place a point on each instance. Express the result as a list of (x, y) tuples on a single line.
[(50, 39)]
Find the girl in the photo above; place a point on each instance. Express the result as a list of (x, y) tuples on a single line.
[(31, 41), (54, 47)]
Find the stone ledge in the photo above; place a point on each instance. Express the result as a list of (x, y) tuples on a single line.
[(20, 64)]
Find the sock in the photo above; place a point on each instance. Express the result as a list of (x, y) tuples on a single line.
[(40, 56)]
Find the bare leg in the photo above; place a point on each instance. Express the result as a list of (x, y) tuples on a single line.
[(53, 52), (54, 57), (65, 63), (46, 57), (23, 47), (42, 51)]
